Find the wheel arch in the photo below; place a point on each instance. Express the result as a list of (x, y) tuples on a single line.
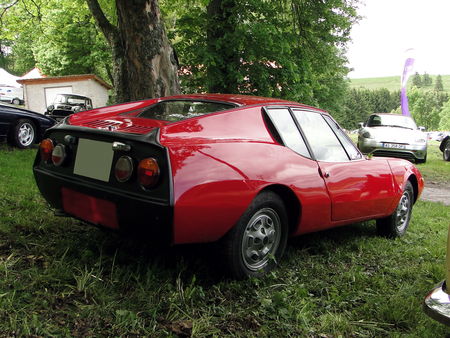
[(413, 180), (291, 202)]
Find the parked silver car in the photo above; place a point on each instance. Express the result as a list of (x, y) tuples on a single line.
[(393, 135)]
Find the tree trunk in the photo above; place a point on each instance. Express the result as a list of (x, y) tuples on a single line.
[(223, 70), (144, 64)]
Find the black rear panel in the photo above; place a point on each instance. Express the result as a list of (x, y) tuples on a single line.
[(137, 208)]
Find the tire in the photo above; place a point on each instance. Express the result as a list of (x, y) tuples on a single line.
[(424, 160), (15, 101), (396, 224), (446, 151), (257, 242), (23, 134)]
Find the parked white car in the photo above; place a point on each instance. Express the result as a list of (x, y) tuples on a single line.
[(11, 95), (393, 135)]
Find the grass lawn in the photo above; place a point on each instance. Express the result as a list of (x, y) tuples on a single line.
[(59, 277), (392, 83)]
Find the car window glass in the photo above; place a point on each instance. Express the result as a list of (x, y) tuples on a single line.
[(323, 141), (176, 110), (352, 151), (290, 135), (391, 120)]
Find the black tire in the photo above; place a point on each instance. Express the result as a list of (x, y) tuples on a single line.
[(257, 242), (23, 134), (396, 224), (446, 151), (422, 160), (15, 101)]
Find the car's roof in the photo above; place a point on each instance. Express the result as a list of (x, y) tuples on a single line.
[(242, 100), (75, 95)]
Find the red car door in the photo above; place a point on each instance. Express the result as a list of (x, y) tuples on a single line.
[(359, 188)]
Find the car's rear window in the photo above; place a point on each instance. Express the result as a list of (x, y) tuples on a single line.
[(176, 110)]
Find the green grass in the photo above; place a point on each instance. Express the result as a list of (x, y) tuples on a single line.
[(392, 82), (436, 170), (59, 277)]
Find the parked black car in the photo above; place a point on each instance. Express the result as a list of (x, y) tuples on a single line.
[(66, 104), (445, 148), (22, 127)]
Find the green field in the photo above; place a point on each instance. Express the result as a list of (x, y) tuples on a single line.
[(392, 82), (60, 277)]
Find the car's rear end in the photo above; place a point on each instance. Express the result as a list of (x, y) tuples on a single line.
[(118, 180)]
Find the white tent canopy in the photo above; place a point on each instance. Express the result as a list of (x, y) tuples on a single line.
[(8, 80)]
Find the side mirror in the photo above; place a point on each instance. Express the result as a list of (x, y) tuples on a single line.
[(422, 128), (360, 125), (50, 107)]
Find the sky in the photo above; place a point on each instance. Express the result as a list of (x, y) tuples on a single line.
[(390, 27)]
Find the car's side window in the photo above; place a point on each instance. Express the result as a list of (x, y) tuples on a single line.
[(350, 148), (324, 143), (288, 131)]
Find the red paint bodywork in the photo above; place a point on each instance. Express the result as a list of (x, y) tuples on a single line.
[(221, 161)]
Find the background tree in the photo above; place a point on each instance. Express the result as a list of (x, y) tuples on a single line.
[(427, 80), (292, 49), (444, 123), (417, 80), (438, 86), (144, 64), (425, 107)]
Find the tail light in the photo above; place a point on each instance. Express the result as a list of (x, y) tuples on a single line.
[(148, 172), (46, 149), (123, 169), (58, 154)]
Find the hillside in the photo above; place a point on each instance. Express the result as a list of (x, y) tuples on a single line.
[(392, 82)]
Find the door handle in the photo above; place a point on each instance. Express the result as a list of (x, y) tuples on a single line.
[(326, 174)]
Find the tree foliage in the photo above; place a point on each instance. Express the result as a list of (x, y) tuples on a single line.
[(426, 106), (439, 86), (59, 37), (360, 103), (292, 49)]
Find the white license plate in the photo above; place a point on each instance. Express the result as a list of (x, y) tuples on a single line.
[(93, 159), (394, 146)]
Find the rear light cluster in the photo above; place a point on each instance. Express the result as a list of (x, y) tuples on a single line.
[(147, 173)]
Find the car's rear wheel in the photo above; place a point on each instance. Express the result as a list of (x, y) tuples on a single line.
[(396, 224), (15, 101), (23, 134), (446, 151), (257, 242)]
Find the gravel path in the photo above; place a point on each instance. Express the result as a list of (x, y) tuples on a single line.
[(435, 192)]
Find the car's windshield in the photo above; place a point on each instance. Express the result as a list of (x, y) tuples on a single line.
[(392, 120), (176, 110)]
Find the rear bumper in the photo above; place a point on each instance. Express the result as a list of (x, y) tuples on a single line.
[(437, 304), (106, 206)]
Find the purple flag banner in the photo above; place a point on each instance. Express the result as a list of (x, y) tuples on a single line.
[(407, 70)]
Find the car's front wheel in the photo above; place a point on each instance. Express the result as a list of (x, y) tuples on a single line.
[(446, 151), (396, 224), (257, 242), (15, 101), (23, 134)]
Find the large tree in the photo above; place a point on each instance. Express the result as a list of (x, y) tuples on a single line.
[(144, 63)]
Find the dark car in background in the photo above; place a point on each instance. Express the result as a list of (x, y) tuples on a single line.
[(67, 104), (21, 127), (445, 148)]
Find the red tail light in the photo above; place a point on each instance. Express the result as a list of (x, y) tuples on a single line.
[(148, 172), (123, 169), (46, 149), (58, 154)]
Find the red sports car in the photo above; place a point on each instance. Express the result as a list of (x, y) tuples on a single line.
[(248, 171)]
